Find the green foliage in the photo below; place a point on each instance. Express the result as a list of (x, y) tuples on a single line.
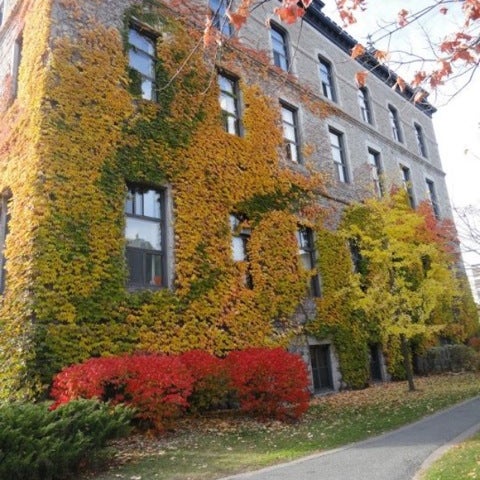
[(448, 358), (38, 444), (462, 461), (338, 317)]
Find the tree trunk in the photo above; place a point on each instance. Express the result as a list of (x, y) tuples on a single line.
[(407, 363)]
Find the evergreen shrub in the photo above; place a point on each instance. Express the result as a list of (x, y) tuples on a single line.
[(447, 358), (39, 444)]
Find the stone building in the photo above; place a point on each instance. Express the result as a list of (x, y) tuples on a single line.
[(108, 245)]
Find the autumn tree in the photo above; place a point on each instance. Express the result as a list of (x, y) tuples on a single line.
[(406, 274)]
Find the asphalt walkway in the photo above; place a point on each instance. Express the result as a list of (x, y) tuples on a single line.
[(398, 455)]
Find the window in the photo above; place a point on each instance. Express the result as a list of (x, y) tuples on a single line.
[(280, 48), (240, 239), (2, 8), (420, 140), (364, 104), (394, 123), (407, 184), (375, 354), (218, 11), (356, 255), (229, 104), (376, 171), (17, 58), (142, 62), (321, 367), (338, 153), (144, 233), (4, 219), (290, 132), (326, 80), (433, 198), (306, 247)]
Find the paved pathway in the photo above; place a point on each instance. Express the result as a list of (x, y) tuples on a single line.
[(397, 455)]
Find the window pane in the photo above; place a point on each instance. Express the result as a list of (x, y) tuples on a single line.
[(342, 175), (334, 140), (239, 249), (280, 54), (145, 234), (142, 63), (138, 207), (153, 269), (141, 42), (230, 124), (306, 259), (287, 115), (292, 152), (135, 266), (225, 84), (148, 92), (129, 203), (151, 204), (289, 132), (227, 103)]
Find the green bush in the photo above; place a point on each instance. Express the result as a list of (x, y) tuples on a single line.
[(39, 444), (447, 358)]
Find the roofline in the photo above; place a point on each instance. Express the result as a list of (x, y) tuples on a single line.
[(337, 35)]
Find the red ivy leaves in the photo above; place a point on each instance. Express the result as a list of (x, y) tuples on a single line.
[(361, 78), (440, 232), (347, 7), (400, 84), (402, 17), (472, 11), (289, 12), (357, 51)]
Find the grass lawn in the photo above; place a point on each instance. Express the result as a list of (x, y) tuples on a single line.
[(461, 462), (214, 446)]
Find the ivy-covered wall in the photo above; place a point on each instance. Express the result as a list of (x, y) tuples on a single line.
[(79, 133), (93, 135)]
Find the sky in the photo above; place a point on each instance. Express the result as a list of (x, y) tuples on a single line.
[(457, 121)]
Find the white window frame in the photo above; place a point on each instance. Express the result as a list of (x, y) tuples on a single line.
[(339, 160), (148, 55), (230, 95), (292, 142)]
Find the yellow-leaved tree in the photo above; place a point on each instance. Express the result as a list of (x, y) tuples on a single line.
[(406, 268)]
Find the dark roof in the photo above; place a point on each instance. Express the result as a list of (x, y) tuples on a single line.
[(337, 35)]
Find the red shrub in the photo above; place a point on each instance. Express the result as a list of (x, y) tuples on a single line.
[(156, 386), (474, 343), (211, 386), (270, 382)]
